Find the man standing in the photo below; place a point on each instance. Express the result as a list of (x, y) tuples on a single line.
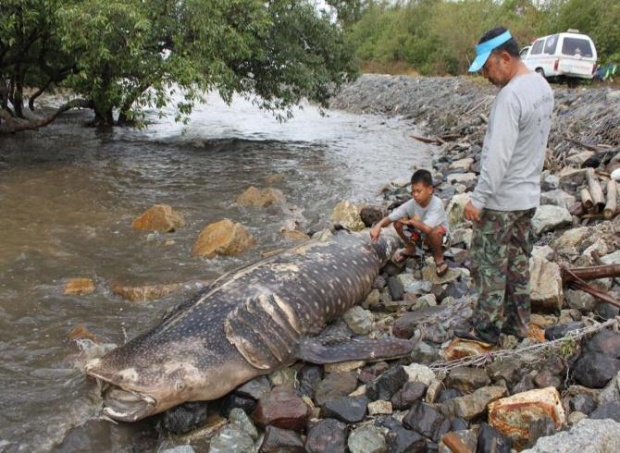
[(508, 190)]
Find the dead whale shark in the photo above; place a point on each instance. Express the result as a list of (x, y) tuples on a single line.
[(249, 322)]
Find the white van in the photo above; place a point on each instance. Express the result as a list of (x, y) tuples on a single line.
[(568, 56)]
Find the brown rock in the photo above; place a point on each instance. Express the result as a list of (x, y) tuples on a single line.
[(82, 333), (159, 217), (458, 349), (295, 235), (142, 293), (347, 214), (546, 285), (274, 179), (282, 408), (262, 198), (372, 214), (513, 416), (223, 238), (79, 286)]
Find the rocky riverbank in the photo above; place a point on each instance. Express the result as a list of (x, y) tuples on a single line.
[(556, 391)]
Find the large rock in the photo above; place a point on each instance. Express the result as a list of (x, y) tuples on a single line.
[(571, 239), (595, 369), (545, 284), (514, 416), (223, 238), (146, 292), (159, 217), (282, 408), (348, 215), (557, 198), (474, 404), (79, 286), (456, 208), (462, 164), (262, 198), (600, 436), (549, 218)]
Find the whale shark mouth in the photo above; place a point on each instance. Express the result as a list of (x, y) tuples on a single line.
[(127, 405)]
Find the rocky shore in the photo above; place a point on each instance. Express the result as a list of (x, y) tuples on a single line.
[(556, 391)]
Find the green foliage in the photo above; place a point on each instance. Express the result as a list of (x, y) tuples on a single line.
[(438, 36), (126, 55)]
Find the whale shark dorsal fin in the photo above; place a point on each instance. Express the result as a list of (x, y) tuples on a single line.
[(314, 351)]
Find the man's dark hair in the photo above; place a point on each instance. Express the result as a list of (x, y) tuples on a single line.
[(423, 176), (511, 46)]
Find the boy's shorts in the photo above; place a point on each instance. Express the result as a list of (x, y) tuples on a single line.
[(418, 239)]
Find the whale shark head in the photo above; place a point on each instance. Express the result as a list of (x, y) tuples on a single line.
[(153, 373)]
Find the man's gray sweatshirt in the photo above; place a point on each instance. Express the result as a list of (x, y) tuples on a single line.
[(514, 146)]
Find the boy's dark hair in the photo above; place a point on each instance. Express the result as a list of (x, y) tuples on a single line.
[(511, 46), (423, 176)]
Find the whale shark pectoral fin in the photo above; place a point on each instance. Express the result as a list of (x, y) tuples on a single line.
[(313, 351), (264, 330)]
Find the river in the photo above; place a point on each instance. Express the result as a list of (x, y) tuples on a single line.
[(68, 195)]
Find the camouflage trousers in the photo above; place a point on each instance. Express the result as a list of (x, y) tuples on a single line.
[(501, 246)]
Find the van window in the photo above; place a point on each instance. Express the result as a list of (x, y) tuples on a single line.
[(551, 44), (577, 46), (538, 46)]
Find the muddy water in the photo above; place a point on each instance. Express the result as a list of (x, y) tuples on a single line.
[(68, 195)]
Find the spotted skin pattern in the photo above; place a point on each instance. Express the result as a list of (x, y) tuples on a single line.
[(249, 322)]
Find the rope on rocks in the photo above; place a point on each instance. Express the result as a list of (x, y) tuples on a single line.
[(484, 359)]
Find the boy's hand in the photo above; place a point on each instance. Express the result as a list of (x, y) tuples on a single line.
[(411, 221), (375, 232)]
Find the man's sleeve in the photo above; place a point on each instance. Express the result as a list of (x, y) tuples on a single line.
[(499, 146)]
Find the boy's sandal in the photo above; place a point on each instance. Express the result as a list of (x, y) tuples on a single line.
[(442, 268), (401, 255)]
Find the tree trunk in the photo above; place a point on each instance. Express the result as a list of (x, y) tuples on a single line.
[(11, 125)]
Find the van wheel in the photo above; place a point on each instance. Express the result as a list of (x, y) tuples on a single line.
[(540, 71)]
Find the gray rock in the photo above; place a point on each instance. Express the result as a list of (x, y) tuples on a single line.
[(611, 392), (327, 436), (557, 198), (279, 440), (387, 384), (348, 409), (178, 449), (239, 419), (359, 320), (549, 218), (367, 439), (612, 258), (426, 421), (595, 370), (580, 300), (467, 379), (414, 286), (608, 410), (474, 404), (587, 436), (231, 439)]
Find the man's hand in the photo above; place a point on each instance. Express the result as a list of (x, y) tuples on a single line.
[(471, 212)]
